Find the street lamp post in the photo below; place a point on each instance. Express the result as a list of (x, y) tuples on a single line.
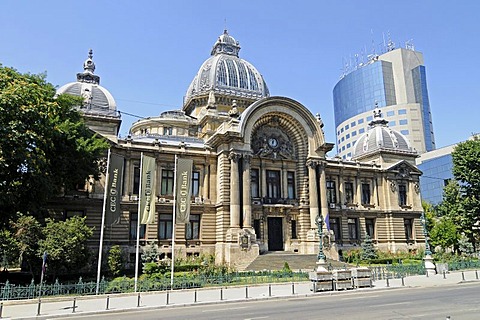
[(427, 259), (321, 263)]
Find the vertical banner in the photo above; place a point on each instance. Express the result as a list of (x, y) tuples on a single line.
[(147, 191), (114, 189), (183, 192)]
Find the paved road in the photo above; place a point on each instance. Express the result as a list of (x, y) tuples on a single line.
[(440, 297), (461, 301)]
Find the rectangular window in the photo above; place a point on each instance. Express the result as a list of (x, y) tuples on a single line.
[(331, 192), (167, 131), (369, 118), (341, 130), (273, 184), (405, 132), (360, 121), (370, 227), (335, 227), (390, 113), (365, 193), (392, 123), (353, 228), (403, 122), (254, 181), (361, 130), (165, 226), (348, 192), (167, 182), (402, 195), (354, 133), (347, 127), (192, 228), (134, 227), (136, 179), (347, 136), (256, 227), (408, 228), (349, 145), (195, 183), (402, 111), (291, 185), (294, 229), (352, 124)]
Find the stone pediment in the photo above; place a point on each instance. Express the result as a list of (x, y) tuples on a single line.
[(404, 170)]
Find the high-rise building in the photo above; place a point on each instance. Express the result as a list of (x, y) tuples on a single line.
[(394, 81)]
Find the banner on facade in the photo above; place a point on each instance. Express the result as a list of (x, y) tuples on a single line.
[(114, 189), (183, 190), (147, 191)]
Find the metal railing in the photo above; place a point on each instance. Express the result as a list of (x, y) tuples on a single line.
[(10, 291)]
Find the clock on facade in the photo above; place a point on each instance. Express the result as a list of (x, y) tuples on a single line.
[(273, 143)]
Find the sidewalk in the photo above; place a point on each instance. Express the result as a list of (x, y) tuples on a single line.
[(64, 306)]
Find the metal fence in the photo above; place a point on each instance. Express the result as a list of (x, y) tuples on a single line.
[(10, 291)]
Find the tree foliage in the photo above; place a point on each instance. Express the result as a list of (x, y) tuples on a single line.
[(115, 260), (445, 234), (368, 249), (66, 244), (28, 232), (44, 144), (466, 170)]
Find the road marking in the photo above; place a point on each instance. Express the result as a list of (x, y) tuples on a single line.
[(226, 309), (362, 297), (390, 304), (256, 318)]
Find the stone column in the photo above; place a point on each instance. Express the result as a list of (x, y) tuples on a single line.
[(313, 192), (234, 190), (341, 189), (247, 197)]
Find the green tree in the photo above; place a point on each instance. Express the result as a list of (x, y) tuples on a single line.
[(445, 234), (466, 170), (9, 252), (28, 232), (45, 145), (66, 244), (368, 249), (115, 260)]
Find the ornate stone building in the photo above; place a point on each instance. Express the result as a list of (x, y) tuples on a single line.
[(261, 174)]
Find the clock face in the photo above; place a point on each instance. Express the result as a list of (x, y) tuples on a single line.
[(272, 142)]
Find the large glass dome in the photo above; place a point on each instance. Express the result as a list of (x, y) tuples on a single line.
[(225, 73)]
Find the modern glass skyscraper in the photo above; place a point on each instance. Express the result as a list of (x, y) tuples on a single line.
[(395, 82)]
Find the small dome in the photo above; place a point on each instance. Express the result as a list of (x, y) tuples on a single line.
[(97, 99), (380, 137), (225, 73)]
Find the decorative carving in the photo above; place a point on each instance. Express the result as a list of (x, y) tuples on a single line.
[(416, 187), (393, 186), (247, 158), (271, 142), (234, 156)]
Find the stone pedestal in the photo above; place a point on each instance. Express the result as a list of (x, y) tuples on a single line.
[(362, 277), (342, 279), (429, 265)]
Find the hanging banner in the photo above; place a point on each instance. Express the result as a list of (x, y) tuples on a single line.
[(147, 191), (183, 192), (114, 189)]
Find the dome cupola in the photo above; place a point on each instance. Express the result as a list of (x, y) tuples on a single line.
[(379, 137), (97, 99), (225, 73)]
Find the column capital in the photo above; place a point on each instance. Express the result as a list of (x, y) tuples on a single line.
[(234, 156), (313, 163)]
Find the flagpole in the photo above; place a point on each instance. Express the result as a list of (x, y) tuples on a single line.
[(172, 268), (100, 246), (139, 215)]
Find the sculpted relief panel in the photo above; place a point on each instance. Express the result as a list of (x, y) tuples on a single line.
[(270, 141)]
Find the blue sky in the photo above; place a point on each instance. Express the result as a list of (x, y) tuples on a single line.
[(147, 52)]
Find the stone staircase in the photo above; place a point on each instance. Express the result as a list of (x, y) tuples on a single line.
[(276, 261)]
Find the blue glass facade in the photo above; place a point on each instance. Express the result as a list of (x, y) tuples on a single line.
[(436, 172), (421, 96), (358, 91)]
